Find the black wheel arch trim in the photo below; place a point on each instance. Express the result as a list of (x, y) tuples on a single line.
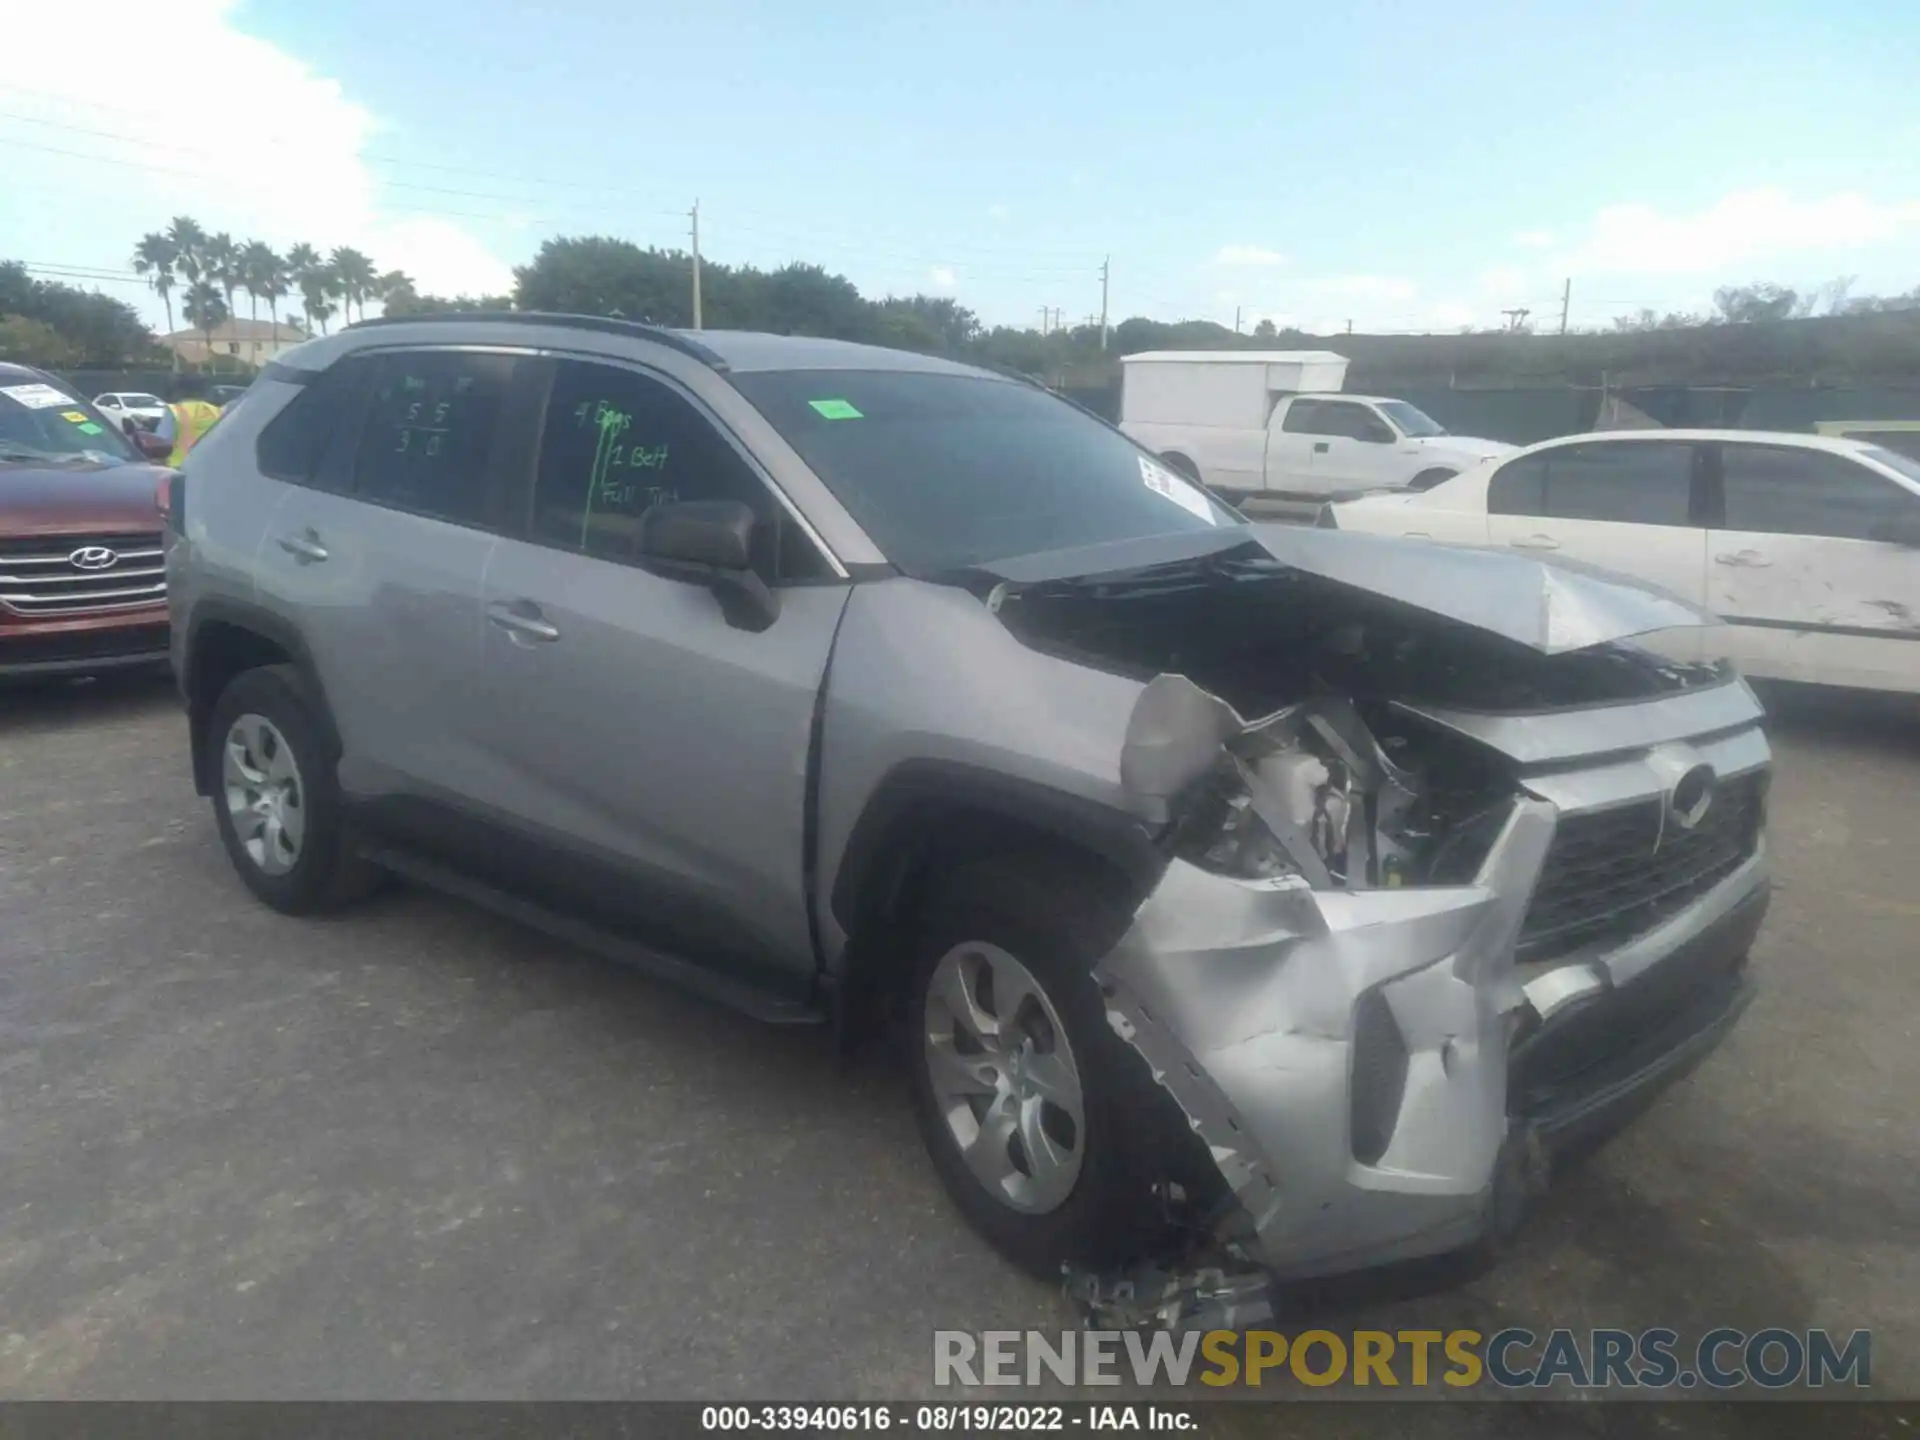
[(269, 627), (871, 853)]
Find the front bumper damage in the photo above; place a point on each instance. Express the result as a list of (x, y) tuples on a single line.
[(1376, 1077)]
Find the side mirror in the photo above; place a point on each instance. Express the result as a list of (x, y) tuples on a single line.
[(152, 446), (1901, 529), (710, 542)]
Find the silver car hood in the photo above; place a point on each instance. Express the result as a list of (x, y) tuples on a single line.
[(1551, 606)]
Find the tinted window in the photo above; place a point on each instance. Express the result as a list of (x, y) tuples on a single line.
[(1303, 418), (1907, 465), (1774, 490), (42, 424), (617, 442), (429, 426), (948, 470), (1519, 488), (292, 443), (1634, 482)]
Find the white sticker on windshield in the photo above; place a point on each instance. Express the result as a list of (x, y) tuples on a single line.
[(37, 397), (1163, 481)]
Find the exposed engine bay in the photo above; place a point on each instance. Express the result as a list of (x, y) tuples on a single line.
[(1335, 780)]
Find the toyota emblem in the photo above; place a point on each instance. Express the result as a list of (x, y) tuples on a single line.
[(93, 557)]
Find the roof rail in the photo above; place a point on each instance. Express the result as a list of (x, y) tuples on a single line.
[(659, 334)]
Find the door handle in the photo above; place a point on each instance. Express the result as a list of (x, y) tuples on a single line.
[(1535, 542), (521, 621), (304, 547), (1745, 559), (1319, 447)]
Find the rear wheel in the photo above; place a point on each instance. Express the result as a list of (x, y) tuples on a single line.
[(274, 797), (1047, 1129)]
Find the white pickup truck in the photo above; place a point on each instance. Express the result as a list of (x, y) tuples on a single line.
[(1275, 423)]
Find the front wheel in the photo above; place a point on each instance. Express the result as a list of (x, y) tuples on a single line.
[(1046, 1128)]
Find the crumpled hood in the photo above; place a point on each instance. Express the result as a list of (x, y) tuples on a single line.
[(1551, 606)]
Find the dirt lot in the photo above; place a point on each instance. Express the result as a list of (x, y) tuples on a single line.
[(415, 1151)]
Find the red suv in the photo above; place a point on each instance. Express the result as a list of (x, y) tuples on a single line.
[(82, 567)]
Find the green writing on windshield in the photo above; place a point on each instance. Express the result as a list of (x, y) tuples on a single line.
[(836, 410)]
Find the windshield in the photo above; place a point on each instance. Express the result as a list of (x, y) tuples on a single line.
[(1412, 420), (40, 424), (945, 471)]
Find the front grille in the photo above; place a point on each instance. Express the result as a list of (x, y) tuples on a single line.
[(38, 575), (1611, 875)]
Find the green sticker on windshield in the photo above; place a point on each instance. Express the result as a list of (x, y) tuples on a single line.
[(836, 410), (90, 429)]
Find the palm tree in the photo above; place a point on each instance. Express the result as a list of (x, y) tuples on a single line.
[(154, 258), (205, 307), (253, 261), (356, 275), (189, 243), (319, 287), (268, 279), (303, 261), (396, 293), (223, 265)]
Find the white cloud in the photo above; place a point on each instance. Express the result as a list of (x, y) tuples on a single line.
[(1735, 231), (1452, 315), (1534, 239), (997, 211), (1363, 287), (1505, 281), (1247, 255), (943, 278), (293, 172)]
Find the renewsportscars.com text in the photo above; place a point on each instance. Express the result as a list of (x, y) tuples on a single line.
[(1512, 1359)]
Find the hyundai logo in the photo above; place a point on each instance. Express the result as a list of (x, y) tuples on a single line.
[(93, 557)]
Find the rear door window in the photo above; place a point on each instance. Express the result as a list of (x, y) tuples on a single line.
[(428, 435), (1782, 490), (1632, 483), (1519, 487)]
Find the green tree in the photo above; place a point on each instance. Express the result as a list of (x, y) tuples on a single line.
[(154, 258), (356, 279), (104, 332), (1751, 304), (303, 263), (599, 275), (205, 308), (34, 342), (395, 289)]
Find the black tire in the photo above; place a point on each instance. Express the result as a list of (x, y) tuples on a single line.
[(1057, 921), (327, 872), (1427, 479)]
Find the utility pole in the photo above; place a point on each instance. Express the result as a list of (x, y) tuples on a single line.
[(696, 265), (1516, 318), (1566, 299), (1236, 319), (1044, 312), (1349, 327), (1104, 263)]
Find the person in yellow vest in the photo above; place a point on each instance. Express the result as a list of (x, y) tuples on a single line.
[(184, 422)]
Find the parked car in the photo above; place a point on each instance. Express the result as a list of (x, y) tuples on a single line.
[(1807, 546), (1270, 423), (841, 683), (82, 577), (121, 406)]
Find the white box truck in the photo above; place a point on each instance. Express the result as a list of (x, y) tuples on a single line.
[(1275, 423)]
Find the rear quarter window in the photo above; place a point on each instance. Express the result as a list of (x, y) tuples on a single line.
[(294, 443)]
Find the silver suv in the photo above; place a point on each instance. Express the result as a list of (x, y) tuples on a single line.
[(1327, 883)]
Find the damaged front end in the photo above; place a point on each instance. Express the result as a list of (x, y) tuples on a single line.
[(1461, 897)]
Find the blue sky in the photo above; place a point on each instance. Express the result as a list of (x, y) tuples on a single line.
[(1403, 166)]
